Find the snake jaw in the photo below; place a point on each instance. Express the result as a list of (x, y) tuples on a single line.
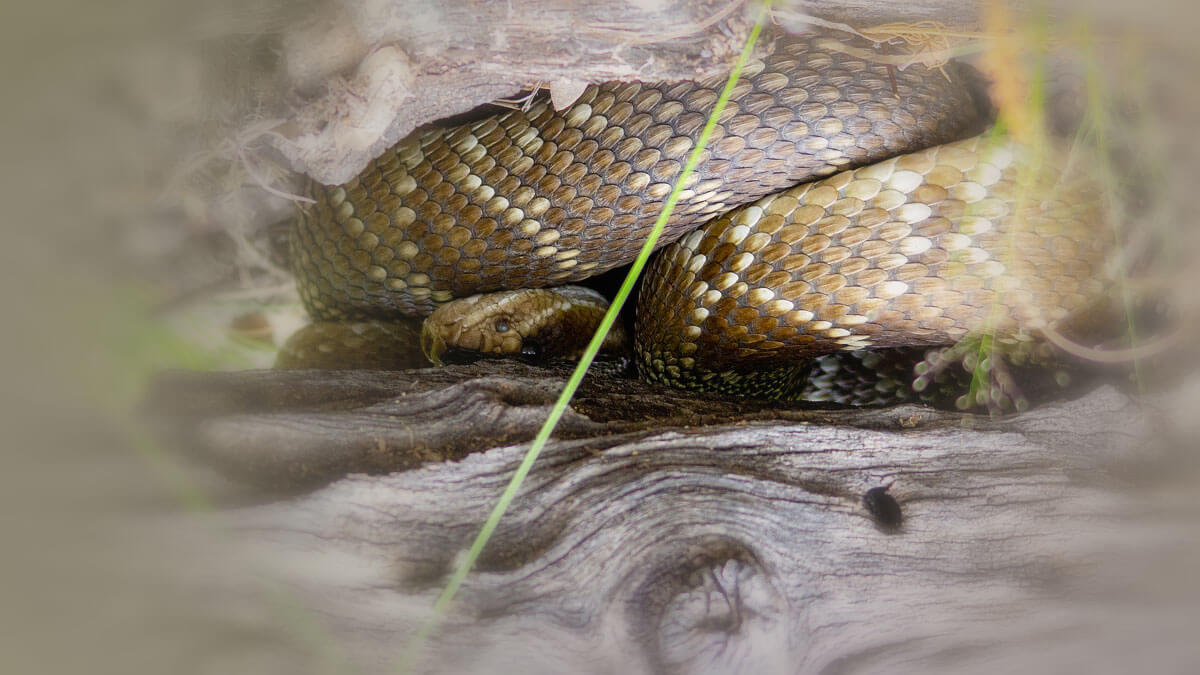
[(469, 325)]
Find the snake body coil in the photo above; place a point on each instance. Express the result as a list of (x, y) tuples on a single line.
[(542, 198), (915, 250), (977, 236)]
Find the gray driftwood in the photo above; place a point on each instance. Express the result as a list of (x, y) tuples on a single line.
[(1060, 540)]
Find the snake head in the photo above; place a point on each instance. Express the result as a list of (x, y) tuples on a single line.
[(482, 324), (538, 322)]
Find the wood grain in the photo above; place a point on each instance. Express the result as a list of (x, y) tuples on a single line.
[(647, 543)]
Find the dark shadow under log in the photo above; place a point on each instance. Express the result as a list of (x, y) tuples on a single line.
[(301, 429)]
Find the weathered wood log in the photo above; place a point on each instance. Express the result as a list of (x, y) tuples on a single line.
[(653, 544)]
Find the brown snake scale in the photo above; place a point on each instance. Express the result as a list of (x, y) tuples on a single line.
[(922, 248), (919, 250)]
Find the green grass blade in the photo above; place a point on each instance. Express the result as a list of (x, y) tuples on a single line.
[(593, 348)]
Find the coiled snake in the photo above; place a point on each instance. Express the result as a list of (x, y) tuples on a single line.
[(907, 249)]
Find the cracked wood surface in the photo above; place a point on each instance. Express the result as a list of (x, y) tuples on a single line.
[(705, 535)]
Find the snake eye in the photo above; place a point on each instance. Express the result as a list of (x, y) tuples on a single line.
[(501, 325)]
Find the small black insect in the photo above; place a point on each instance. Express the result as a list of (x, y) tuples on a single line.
[(883, 508)]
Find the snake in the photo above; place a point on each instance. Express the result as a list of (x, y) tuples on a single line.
[(841, 205)]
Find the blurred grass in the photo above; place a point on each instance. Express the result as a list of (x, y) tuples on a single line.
[(464, 566), (1114, 117)]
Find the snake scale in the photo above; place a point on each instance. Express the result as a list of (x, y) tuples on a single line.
[(884, 249)]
